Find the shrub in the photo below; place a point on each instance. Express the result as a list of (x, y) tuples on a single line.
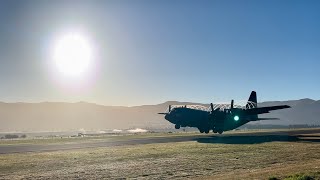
[(23, 136), (11, 136), (300, 177)]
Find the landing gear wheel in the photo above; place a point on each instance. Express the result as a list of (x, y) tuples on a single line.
[(177, 126), (201, 130), (220, 132), (214, 131), (207, 131)]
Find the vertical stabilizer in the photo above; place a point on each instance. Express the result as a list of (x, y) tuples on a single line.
[(252, 101)]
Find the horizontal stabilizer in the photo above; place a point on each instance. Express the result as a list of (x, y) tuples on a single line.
[(267, 119), (262, 110)]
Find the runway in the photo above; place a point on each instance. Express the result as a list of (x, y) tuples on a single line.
[(232, 138)]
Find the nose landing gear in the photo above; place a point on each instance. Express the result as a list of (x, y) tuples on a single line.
[(177, 126)]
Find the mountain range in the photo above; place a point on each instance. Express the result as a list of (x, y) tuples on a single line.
[(60, 116)]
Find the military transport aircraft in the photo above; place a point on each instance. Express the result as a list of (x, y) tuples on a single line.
[(218, 117)]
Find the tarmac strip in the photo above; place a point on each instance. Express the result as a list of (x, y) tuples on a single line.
[(224, 138)]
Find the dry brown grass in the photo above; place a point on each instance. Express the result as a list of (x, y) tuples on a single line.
[(167, 161)]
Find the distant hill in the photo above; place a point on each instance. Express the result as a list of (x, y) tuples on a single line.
[(58, 116), (303, 111)]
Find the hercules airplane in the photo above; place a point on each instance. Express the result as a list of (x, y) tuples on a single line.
[(219, 117)]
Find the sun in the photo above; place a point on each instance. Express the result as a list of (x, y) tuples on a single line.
[(72, 55)]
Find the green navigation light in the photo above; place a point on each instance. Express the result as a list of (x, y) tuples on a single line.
[(236, 118)]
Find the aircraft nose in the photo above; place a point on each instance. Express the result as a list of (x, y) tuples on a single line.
[(167, 117)]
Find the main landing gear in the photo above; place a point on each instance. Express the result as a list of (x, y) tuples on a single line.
[(204, 130), (177, 126), (219, 131)]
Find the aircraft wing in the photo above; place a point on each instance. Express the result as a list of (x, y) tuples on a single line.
[(263, 110)]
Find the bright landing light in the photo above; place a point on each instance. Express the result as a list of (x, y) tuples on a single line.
[(72, 55), (236, 118)]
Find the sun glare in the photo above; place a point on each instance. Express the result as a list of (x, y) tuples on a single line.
[(72, 55)]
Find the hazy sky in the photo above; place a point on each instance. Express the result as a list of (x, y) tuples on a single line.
[(148, 52)]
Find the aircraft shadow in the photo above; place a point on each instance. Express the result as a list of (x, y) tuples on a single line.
[(257, 139)]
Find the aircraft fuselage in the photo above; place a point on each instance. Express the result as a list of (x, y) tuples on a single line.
[(219, 118), (218, 121)]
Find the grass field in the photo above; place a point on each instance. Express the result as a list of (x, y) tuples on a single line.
[(194, 160)]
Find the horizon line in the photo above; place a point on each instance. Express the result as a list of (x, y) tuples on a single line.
[(98, 104)]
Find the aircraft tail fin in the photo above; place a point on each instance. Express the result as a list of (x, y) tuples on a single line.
[(252, 101)]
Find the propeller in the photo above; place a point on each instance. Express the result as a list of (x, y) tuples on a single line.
[(167, 112), (232, 102), (211, 106)]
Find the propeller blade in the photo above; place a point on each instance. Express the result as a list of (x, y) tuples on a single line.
[(211, 106), (169, 108), (163, 113), (232, 101)]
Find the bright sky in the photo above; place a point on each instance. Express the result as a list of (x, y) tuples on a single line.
[(148, 52)]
